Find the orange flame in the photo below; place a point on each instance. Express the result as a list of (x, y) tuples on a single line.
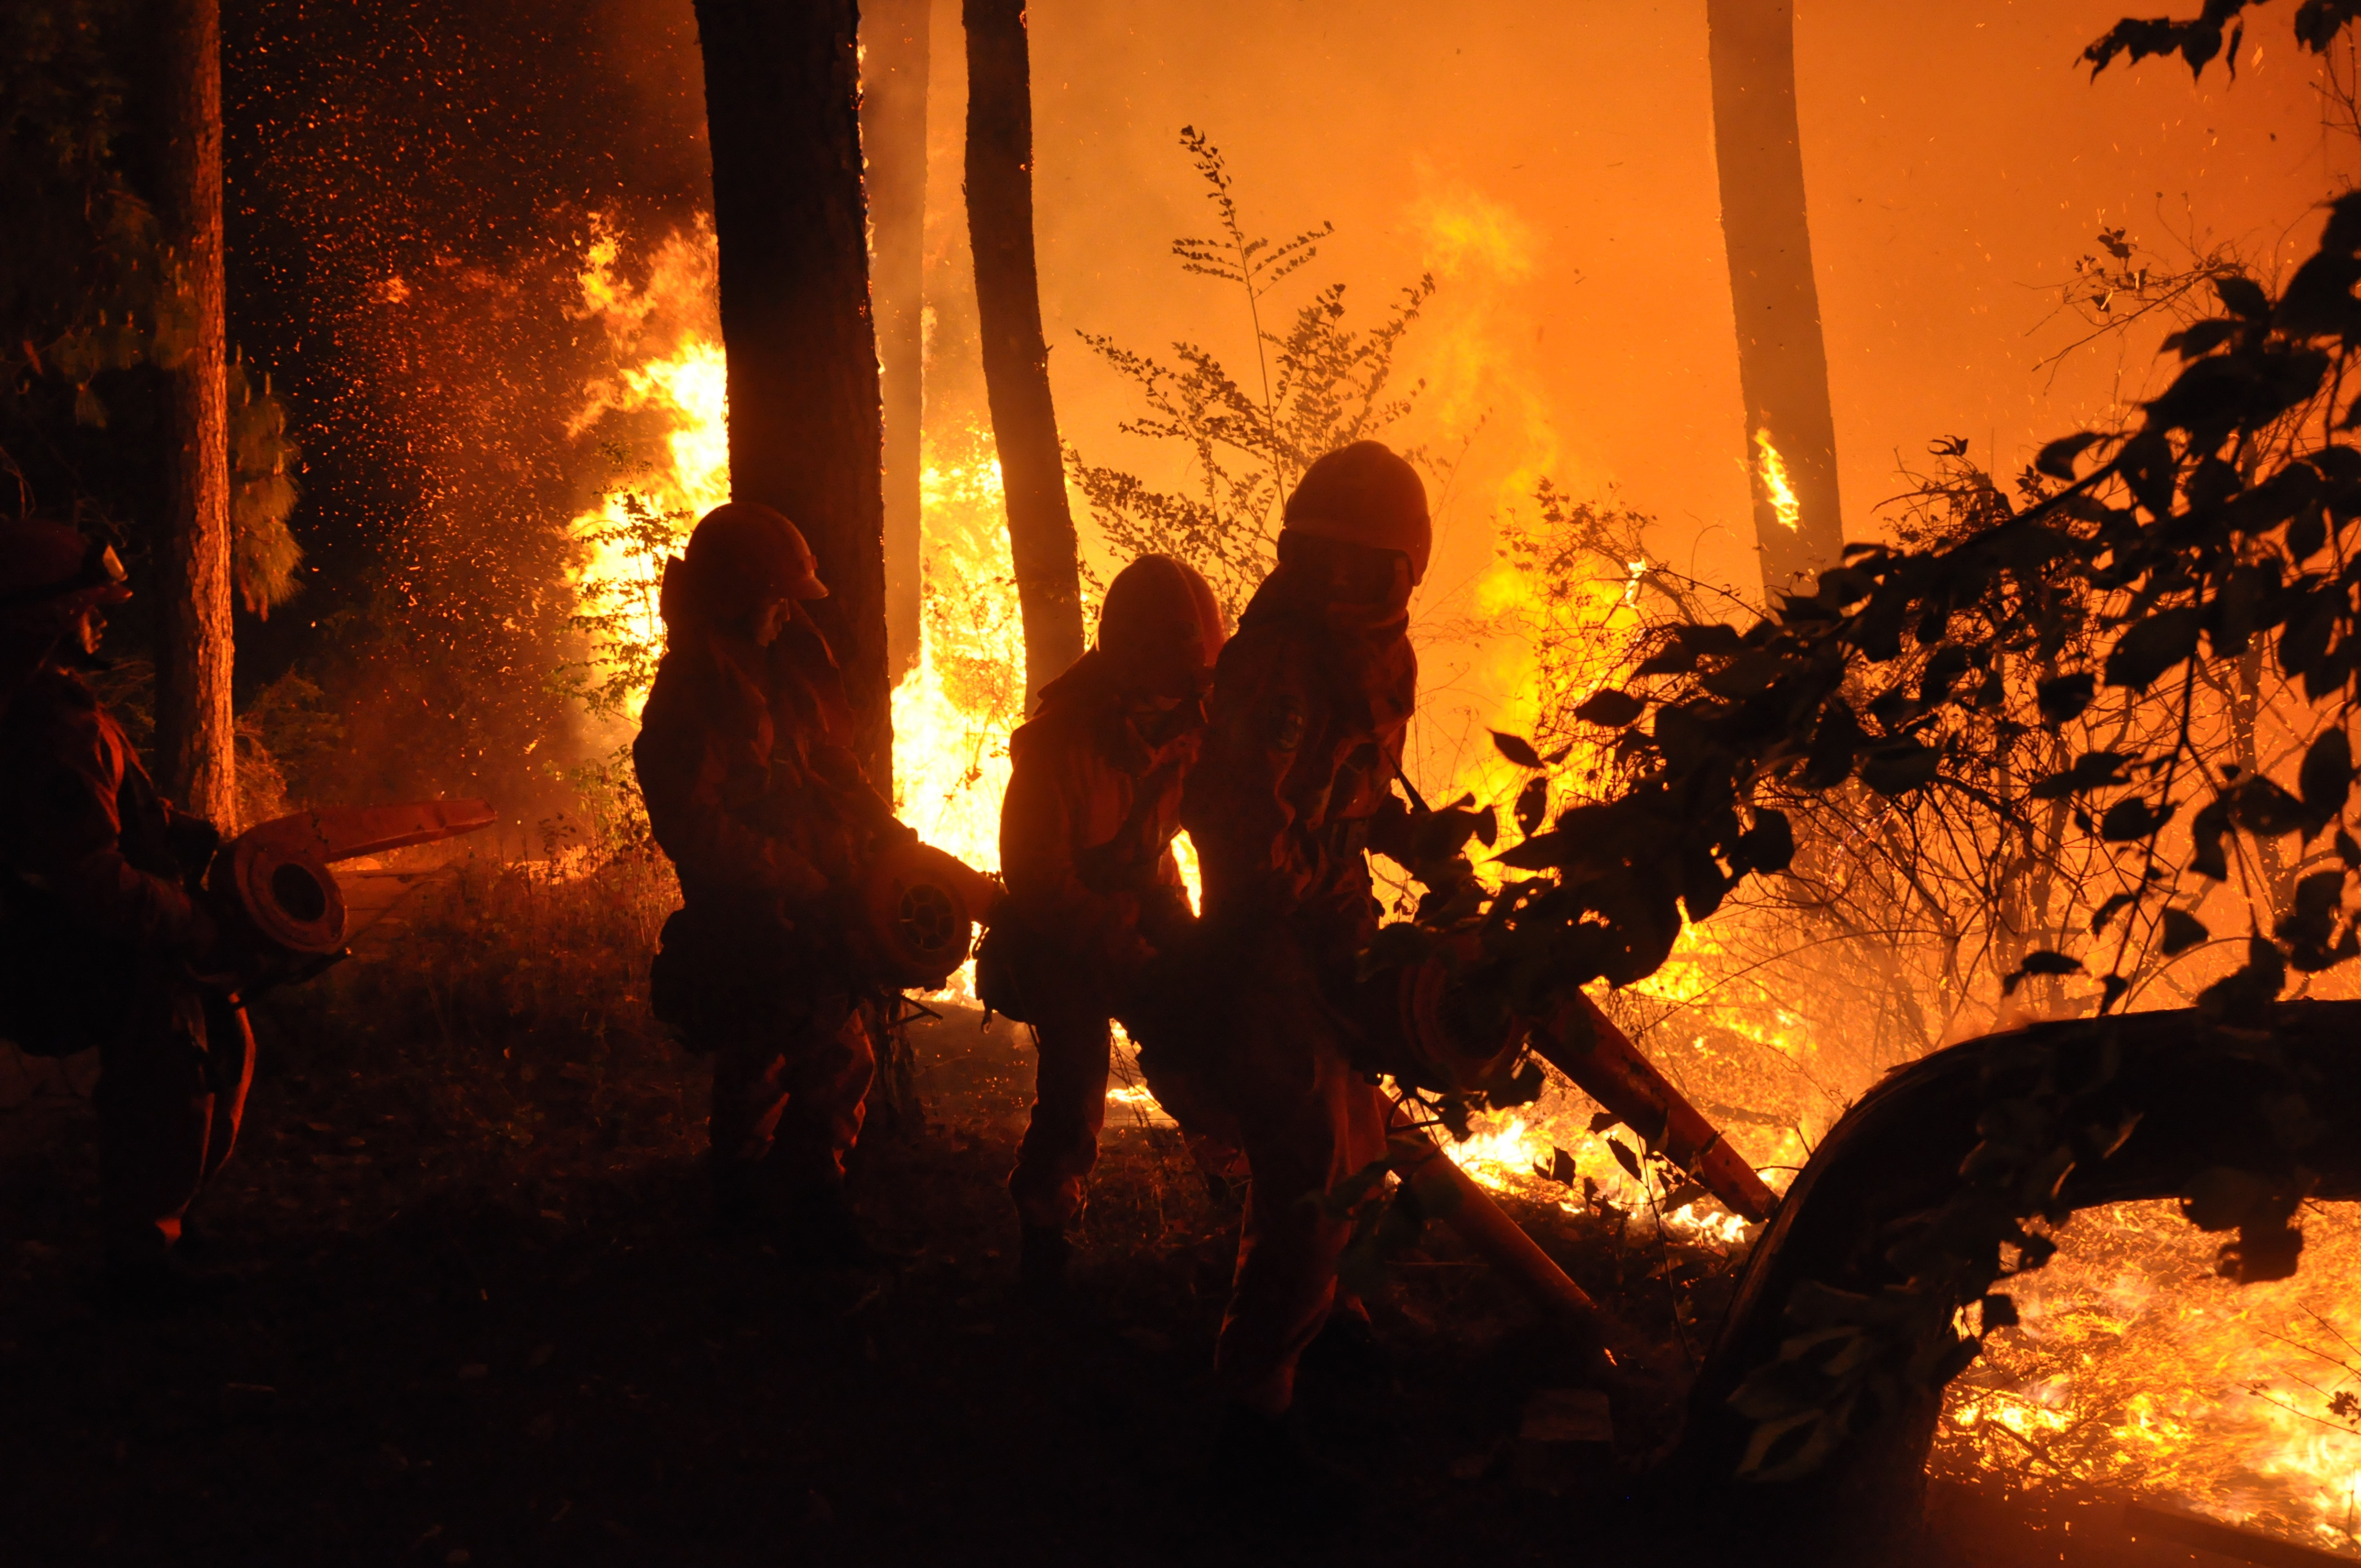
[(2134, 1366), (1775, 485)]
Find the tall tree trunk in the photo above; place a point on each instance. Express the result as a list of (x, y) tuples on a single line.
[(782, 107), (1015, 359), (893, 59), (1782, 365), (196, 738)]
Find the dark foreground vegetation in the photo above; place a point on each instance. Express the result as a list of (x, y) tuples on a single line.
[(481, 1317)]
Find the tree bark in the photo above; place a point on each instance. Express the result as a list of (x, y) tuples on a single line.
[(782, 105), (1016, 361), (195, 727), (894, 58), (1782, 364)]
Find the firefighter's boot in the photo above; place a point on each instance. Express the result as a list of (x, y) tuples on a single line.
[(1045, 1252), (1268, 1479)]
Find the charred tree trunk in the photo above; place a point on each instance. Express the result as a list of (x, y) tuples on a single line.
[(895, 58), (782, 107), (196, 728), (1782, 365), (1016, 358)]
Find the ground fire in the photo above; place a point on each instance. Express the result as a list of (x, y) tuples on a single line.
[(973, 782)]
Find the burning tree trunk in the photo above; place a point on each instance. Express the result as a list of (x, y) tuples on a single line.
[(1016, 358), (1782, 365), (895, 58), (781, 96), (196, 743)]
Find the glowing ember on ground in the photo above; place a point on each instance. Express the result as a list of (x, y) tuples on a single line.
[(671, 377)]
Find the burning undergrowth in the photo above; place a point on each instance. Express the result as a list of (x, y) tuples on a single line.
[(1883, 941), (2136, 1371)]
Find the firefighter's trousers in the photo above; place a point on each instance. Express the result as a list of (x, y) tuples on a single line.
[(1062, 1142), (1306, 1121), (171, 1089), (789, 1089)]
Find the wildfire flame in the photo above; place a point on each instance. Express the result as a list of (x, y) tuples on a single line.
[(1775, 485), (665, 334), (2135, 1368), (2131, 1366)]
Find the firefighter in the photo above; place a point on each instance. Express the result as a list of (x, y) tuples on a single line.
[(744, 759), (104, 940), (1086, 830), (1310, 701)]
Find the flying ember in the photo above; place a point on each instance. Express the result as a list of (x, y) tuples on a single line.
[(912, 782)]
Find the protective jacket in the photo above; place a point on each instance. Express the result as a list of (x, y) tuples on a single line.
[(1311, 702), (744, 758), (96, 867), (1086, 826), (94, 875), (1086, 845), (1310, 706)]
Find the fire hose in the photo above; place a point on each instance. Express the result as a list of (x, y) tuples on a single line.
[(1583, 1043), (275, 878), (1421, 1035), (1489, 1233), (1427, 1042)]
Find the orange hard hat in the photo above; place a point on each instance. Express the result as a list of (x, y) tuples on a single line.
[(742, 555), (1368, 495), (54, 572), (1161, 624)]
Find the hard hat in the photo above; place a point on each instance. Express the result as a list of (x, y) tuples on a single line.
[(1160, 623), (54, 571), (1368, 495), (743, 555)]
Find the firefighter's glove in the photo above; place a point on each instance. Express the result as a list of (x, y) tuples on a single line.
[(224, 951), (193, 843), (1453, 890), (1418, 840), (798, 883), (1125, 950)]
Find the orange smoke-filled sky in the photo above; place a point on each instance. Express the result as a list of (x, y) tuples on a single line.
[(1553, 166)]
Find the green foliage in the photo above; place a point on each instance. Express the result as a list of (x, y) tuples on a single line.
[(2135, 575), (2198, 39), (2223, 522), (91, 286), (2200, 532), (291, 721), (1319, 385), (622, 594)]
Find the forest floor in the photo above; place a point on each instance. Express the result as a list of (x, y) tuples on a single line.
[(481, 1317)]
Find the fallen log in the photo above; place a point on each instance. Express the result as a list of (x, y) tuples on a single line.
[(2159, 1105), (2223, 1540)]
